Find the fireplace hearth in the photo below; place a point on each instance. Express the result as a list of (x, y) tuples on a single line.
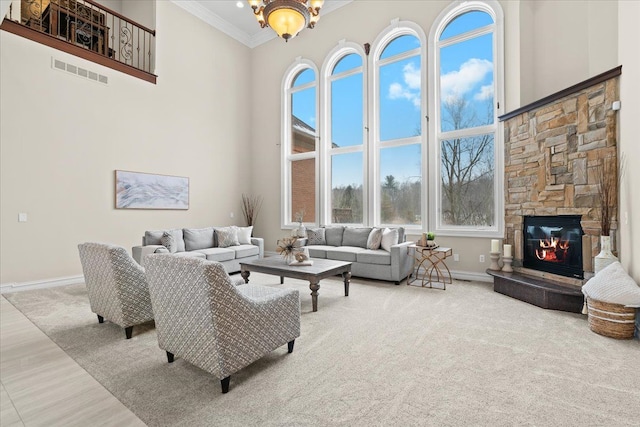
[(553, 244)]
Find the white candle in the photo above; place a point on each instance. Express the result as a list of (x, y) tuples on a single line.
[(495, 246), (507, 250)]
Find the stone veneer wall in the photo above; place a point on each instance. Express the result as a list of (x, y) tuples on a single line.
[(551, 154)]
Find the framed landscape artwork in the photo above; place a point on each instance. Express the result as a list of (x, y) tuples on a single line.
[(137, 190)]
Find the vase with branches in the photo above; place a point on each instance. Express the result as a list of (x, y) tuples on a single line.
[(607, 179), (251, 207)]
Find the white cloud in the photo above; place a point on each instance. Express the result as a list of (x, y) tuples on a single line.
[(411, 91), (411, 76), (486, 92), (458, 83)]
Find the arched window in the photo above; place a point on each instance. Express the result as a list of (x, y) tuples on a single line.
[(344, 151), (467, 81), (300, 180), (398, 117)]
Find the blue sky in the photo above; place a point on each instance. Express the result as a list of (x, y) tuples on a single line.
[(466, 71)]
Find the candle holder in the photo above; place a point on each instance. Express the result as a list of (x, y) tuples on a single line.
[(495, 256), (507, 264)]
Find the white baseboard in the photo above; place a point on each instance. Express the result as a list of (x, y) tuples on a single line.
[(40, 284), (471, 276)]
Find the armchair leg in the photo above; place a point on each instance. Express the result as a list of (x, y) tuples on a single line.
[(290, 345), (397, 282), (100, 319), (170, 357), (225, 384), (128, 332)]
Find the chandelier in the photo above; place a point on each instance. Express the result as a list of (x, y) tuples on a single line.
[(287, 17)]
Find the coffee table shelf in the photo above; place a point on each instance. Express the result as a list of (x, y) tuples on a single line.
[(321, 269)]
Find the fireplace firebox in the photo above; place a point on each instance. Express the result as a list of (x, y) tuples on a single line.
[(554, 244)]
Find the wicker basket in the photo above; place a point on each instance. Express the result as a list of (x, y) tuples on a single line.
[(611, 320)]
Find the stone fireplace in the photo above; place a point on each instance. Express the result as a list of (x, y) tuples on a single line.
[(553, 148)]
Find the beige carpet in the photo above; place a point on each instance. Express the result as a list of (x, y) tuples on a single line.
[(384, 355)]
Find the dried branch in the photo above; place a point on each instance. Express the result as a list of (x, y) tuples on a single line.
[(607, 179), (251, 207)]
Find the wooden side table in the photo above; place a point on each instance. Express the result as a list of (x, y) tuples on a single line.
[(430, 266)]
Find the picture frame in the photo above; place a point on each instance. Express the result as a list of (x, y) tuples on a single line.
[(140, 190)]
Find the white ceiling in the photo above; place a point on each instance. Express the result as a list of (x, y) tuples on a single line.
[(240, 23)]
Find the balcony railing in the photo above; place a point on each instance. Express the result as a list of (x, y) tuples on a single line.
[(89, 30)]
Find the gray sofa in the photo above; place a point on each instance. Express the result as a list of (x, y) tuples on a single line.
[(210, 243), (351, 244)]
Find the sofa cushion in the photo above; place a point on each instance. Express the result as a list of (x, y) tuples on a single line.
[(191, 254), (356, 237), (389, 238), (243, 251), (315, 236), (333, 235), (244, 235), (379, 256), (227, 236), (319, 251), (198, 238), (218, 254), (168, 240), (153, 237), (344, 253), (375, 238)]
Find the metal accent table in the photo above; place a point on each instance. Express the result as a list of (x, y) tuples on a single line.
[(430, 266)]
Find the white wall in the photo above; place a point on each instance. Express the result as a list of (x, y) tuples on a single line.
[(567, 41), (549, 45), (62, 137), (629, 141), (215, 117)]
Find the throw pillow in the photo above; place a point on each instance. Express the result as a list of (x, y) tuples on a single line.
[(168, 240), (198, 238), (333, 235), (356, 236), (227, 236), (375, 239), (244, 235), (316, 236), (389, 238), (613, 285)]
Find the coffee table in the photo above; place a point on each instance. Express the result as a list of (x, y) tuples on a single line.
[(321, 269)]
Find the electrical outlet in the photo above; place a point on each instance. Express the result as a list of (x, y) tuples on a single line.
[(481, 258), (456, 257), (22, 217), (230, 214)]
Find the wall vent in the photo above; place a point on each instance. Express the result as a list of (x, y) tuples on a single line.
[(78, 71)]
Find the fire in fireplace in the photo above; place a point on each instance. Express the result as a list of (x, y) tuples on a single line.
[(554, 244)]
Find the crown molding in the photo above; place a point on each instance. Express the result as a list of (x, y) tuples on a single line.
[(261, 37), (202, 13)]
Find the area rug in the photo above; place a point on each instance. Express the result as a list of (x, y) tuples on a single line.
[(384, 355)]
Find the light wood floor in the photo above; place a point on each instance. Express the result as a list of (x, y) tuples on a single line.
[(40, 385)]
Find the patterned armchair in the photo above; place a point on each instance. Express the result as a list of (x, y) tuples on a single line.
[(204, 318), (116, 285)]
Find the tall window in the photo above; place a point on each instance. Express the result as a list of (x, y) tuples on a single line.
[(380, 157), (398, 136), (466, 121), (300, 144), (346, 147)]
